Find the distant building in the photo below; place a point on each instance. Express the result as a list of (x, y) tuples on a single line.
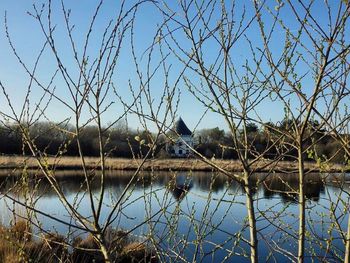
[(181, 140)]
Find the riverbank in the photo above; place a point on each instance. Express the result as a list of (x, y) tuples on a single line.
[(18, 244), (74, 163)]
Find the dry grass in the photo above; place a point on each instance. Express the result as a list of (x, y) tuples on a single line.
[(13, 241), (137, 252), (17, 245), (74, 163)]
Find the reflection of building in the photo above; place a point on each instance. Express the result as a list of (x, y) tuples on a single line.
[(181, 185), (182, 140)]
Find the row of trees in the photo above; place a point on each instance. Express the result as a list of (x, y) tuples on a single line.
[(121, 141), (321, 145), (52, 139)]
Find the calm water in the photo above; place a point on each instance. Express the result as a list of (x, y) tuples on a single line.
[(201, 216)]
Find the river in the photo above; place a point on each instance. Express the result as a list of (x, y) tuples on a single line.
[(197, 216)]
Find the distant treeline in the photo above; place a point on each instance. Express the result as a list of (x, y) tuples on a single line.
[(118, 141), (271, 140)]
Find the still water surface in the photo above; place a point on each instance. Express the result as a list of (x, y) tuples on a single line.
[(202, 216)]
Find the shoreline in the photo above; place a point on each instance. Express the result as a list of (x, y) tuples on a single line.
[(121, 164)]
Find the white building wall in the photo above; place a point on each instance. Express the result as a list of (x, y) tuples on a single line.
[(182, 146)]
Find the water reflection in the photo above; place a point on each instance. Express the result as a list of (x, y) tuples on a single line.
[(284, 186), (180, 185), (198, 206)]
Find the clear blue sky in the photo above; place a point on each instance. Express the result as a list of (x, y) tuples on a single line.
[(28, 39)]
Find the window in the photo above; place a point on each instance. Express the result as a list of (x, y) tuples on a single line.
[(180, 151)]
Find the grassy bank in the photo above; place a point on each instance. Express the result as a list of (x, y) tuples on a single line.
[(74, 163), (17, 244)]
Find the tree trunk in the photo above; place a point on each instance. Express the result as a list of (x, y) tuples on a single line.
[(103, 249), (252, 221), (301, 235), (105, 254), (347, 244)]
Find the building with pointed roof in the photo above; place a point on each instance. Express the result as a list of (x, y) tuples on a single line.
[(181, 142), (181, 128)]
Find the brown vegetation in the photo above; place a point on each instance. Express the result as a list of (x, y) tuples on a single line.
[(18, 245), (74, 163)]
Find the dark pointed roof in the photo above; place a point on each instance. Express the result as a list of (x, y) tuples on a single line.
[(181, 128)]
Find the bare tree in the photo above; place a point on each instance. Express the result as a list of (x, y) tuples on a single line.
[(321, 50), (228, 56), (313, 54), (91, 91)]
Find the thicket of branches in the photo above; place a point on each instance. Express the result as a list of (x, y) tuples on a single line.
[(300, 68)]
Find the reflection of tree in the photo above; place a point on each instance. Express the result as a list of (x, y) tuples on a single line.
[(209, 181), (283, 185), (286, 186)]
